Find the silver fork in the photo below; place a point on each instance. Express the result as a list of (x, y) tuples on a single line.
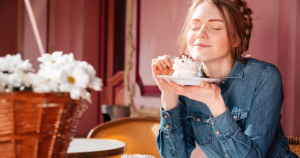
[(172, 58)]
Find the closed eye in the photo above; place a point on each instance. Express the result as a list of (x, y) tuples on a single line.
[(194, 29)]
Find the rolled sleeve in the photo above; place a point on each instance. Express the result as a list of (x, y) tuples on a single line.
[(170, 119), (224, 125)]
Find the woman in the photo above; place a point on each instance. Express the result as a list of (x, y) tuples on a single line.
[(238, 117)]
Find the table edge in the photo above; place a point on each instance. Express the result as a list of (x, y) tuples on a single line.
[(108, 153)]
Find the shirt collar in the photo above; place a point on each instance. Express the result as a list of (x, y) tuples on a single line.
[(237, 71)]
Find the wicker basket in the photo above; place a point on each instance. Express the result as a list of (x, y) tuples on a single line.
[(37, 125)]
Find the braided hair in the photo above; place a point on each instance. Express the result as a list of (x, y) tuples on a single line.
[(238, 24)]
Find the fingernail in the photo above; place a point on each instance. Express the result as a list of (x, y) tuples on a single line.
[(202, 83), (169, 63), (170, 83), (160, 67), (165, 65)]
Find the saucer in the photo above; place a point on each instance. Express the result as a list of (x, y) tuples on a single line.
[(187, 80)]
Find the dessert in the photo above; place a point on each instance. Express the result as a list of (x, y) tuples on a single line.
[(185, 66)]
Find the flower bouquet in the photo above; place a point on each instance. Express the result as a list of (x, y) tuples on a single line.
[(39, 111)]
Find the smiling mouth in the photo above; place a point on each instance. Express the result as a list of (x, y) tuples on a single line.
[(201, 46)]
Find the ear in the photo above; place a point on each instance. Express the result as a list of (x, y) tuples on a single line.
[(236, 41)]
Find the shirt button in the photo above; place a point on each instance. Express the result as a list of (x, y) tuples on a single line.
[(234, 117), (223, 82), (198, 120), (165, 116), (212, 123), (217, 132), (168, 126)]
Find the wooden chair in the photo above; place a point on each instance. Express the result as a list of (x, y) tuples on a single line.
[(139, 134), (294, 144)]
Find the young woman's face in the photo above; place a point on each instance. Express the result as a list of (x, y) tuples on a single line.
[(207, 37)]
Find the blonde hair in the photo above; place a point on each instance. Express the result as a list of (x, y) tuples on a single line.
[(238, 18)]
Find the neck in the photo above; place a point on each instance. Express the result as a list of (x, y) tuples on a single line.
[(219, 69)]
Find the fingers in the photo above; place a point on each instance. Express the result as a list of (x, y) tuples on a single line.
[(204, 85), (190, 89), (156, 64), (165, 59), (171, 72), (209, 86), (169, 85), (162, 62)]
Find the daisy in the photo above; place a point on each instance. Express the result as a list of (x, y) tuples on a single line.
[(73, 79), (28, 79), (13, 63), (44, 85), (55, 59), (94, 82), (47, 80)]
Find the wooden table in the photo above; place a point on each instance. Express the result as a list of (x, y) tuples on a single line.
[(93, 148)]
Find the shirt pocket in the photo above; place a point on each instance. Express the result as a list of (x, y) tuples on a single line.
[(201, 127), (240, 118), (238, 115)]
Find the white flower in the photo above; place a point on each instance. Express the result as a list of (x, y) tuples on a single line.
[(9, 81), (73, 79), (58, 73), (25, 66), (55, 59), (68, 58), (86, 95), (13, 63), (3, 82), (43, 85), (50, 73), (28, 79), (46, 80), (95, 82), (88, 68), (3, 65), (15, 79)]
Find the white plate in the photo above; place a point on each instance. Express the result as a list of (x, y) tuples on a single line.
[(187, 80)]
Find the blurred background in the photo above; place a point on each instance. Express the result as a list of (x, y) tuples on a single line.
[(121, 37)]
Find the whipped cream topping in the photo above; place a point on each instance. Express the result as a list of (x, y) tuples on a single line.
[(184, 65)]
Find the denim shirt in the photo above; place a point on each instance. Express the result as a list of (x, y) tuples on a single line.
[(250, 127)]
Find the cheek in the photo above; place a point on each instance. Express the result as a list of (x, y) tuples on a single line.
[(191, 37), (221, 41)]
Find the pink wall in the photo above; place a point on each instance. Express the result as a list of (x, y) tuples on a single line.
[(287, 63), (160, 25), (297, 75)]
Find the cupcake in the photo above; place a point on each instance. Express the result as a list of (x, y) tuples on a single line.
[(185, 66)]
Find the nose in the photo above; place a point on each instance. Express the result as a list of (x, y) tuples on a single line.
[(201, 34)]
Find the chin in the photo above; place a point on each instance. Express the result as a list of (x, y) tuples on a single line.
[(198, 56)]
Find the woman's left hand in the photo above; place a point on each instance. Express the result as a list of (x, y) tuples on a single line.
[(207, 93)]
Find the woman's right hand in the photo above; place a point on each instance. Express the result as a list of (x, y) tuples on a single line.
[(162, 65)]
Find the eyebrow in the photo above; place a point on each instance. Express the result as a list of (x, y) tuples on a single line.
[(210, 20)]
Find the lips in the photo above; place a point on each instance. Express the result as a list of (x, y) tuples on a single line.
[(201, 45)]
